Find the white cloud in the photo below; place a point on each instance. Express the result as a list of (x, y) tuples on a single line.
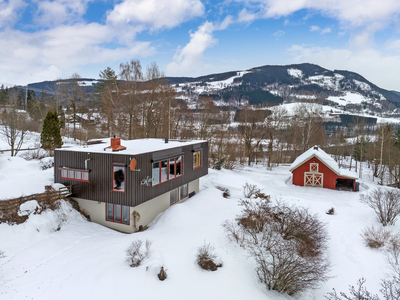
[(9, 12), (190, 57), (278, 33), (246, 16), (315, 28), (60, 11), (326, 30), (155, 14), (375, 66), (25, 57)]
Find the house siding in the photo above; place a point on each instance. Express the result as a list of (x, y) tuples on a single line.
[(99, 187)]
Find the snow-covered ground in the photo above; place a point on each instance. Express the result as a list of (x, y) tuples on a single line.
[(84, 260)]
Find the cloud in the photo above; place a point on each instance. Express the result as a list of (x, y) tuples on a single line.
[(60, 51), (315, 28), (377, 67), (9, 12), (190, 57), (60, 11), (326, 30), (278, 33), (155, 14)]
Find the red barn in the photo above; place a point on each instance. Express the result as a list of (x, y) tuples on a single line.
[(318, 169)]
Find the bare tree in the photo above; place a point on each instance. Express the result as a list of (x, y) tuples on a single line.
[(13, 123), (385, 203)]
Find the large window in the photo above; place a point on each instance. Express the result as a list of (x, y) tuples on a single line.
[(75, 174), (178, 194), (197, 159), (167, 169), (119, 178), (117, 213)]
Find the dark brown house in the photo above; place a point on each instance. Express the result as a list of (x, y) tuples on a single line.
[(126, 184)]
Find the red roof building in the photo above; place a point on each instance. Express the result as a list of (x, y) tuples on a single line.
[(316, 168)]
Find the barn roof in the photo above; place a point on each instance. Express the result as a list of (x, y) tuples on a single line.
[(328, 160)]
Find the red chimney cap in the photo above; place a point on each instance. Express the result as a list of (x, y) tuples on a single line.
[(115, 144)]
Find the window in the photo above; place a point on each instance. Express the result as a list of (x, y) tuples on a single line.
[(183, 191), (173, 196), (119, 178), (178, 194), (117, 213), (196, 159), (77, 175), (156, 173), (167, 169)]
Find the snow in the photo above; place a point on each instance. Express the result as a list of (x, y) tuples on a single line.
[(59, 255), (133, 147), (348, 98), (295, 73), (28, 207)]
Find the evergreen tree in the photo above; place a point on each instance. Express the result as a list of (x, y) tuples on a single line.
[(50, 137)]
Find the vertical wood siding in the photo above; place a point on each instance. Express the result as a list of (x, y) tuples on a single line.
[(99, 187)]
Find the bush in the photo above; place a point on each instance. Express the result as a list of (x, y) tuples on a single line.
[(375, 238), (359, 293), (135, 254), (206, 258), (288, 244), (37, 153), (385, 203), (250, 190), (2, 255)]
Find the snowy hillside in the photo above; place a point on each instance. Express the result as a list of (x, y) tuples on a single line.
[(84, 260)]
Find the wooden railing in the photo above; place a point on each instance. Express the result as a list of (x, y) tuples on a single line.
[(9, 208)]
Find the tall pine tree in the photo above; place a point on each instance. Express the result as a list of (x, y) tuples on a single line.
[(50, 137)]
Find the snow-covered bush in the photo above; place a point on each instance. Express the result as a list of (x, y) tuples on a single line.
[(385, 203), (37, 153), (206, 258), (288, 244), (135, 254), (375, 238)]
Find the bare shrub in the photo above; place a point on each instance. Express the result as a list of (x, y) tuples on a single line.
[(375, 238), (135, 254), (225, 192), (250, 190), (206, 258), (356, 293), (37, 153), (162, 275), (288, 244), (2, 255), (331, 211), (385, 203)]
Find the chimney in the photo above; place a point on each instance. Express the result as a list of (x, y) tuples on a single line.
[(115, 144), (315, 147), (166, 140)]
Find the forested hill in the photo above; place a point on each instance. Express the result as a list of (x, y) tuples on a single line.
[(271, 84)]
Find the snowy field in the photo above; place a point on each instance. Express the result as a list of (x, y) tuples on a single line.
[(84, 260)]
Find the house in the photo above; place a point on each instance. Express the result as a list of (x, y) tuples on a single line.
[(124, 185), (318, 169)]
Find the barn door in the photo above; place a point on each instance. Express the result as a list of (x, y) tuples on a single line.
[(313, 179)]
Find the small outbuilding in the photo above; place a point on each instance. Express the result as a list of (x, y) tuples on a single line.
[(316, 168)]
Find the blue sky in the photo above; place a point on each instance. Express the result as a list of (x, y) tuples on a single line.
[(46, 40)]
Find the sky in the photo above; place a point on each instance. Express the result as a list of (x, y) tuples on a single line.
[(48, 40)]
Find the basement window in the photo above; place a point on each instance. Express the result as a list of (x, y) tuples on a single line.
[(117, 213)]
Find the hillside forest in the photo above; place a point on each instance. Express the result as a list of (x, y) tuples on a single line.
[(135, 102)]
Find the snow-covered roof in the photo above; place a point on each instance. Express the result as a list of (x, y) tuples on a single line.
[(328, 160), (133, 147)]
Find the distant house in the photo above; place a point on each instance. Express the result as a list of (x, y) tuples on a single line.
[(125, 185), (318, 169)]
